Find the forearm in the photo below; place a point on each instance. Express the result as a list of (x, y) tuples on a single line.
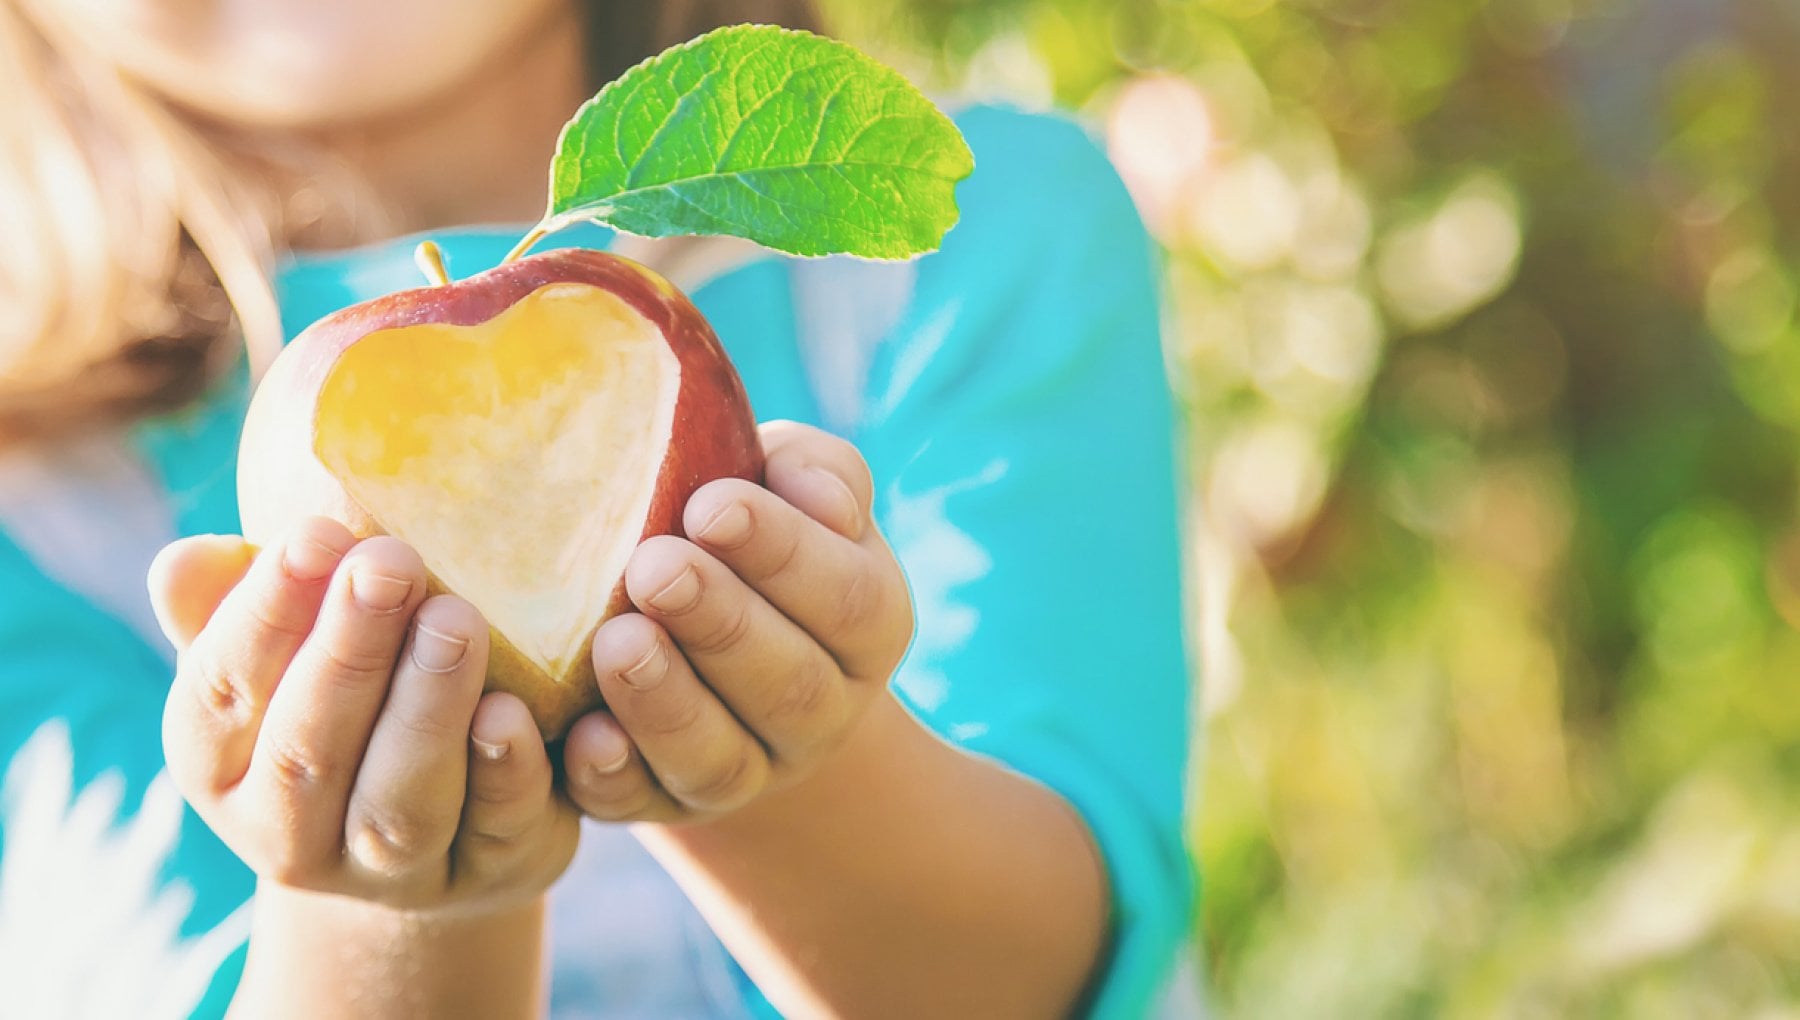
[(904, 879), (315, 955)]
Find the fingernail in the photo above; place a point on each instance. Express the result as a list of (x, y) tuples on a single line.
[(849, 513), (492, 752), (379, 593), (436, 652), (614, 765), (647, 670), (728, 528), (306, 559), (679, 595)]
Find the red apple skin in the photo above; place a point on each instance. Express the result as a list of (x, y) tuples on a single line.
[(281, 480)]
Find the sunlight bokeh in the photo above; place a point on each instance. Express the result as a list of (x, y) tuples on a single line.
[(1484, 318)]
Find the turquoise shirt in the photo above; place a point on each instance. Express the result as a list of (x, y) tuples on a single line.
[(1009, 395)]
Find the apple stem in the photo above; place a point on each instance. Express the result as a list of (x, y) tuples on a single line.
[(536, 234), (430, 260)]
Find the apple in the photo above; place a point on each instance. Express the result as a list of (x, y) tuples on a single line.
[(523, 429)]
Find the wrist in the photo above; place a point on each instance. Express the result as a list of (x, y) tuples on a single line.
[(274, 897), (398, 906), (390, 960), (885, 738)]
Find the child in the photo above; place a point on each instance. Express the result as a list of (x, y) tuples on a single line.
[(823, 822)]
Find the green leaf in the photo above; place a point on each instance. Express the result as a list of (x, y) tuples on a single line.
[(797, 142)]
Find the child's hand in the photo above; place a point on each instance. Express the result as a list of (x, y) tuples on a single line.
[(327, 721), (760, 644)]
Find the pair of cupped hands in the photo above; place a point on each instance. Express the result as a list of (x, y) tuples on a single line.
[(327, 719)]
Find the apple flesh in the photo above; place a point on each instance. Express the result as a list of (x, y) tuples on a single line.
[(523, 429)]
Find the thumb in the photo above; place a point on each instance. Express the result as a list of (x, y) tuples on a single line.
[(189, 578)]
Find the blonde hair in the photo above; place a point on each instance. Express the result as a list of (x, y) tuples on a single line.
[(131, 241)]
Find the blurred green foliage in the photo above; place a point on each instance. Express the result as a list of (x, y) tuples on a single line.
[(1484, 312)]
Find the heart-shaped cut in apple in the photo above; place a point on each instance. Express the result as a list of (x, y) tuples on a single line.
[(523, 430), (549, 420)]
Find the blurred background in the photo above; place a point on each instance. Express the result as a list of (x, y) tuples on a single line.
[(1484, 316)]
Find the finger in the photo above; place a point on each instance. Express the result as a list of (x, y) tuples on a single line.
[(607, 778), (851, 599), (228, 674), (190, 578), (510, 794), (774, 676), (509, 771), (698, 752), (321, 716), (408, 796), (821, 474)]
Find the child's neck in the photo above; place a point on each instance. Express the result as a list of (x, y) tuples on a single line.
[(479, 153)]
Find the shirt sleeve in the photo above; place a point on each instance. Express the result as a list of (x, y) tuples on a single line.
[(1019, 424)]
